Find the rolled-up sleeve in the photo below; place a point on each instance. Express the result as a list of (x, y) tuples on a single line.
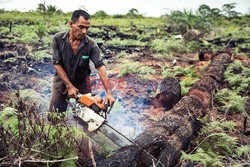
[(95, 56), (56, 55)]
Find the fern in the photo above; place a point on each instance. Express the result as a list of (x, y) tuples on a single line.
[(218, 127), (186, 83), (167, 73), (237, 165), (207, 158), (55, 140), (216, 137), (167, 46), (214, 144), (230, 100), (135, 68), (237, 76), (243, 149), (186, 71), (7, 112), (8, 120), (222, 142)]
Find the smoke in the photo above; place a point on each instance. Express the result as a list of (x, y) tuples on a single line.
[(127, 115)]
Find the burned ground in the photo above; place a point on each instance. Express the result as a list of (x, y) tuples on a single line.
[(161, 133)]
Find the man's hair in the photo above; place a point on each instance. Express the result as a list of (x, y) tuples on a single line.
[(77, 13)]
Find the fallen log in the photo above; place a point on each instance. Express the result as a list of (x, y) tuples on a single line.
[(120, 48), (126, 36), (165, 138), (167, 94)]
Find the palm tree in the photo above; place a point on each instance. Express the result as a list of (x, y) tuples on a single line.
[(41, 8), (133, 13), (228, 10)]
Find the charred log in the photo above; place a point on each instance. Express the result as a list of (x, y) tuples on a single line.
[(6, 37), (126, 36), (120, 48), (2, 46), (229, 42), (168, 93), (205, 55), (7, 55), (165, 138), (102, 35)]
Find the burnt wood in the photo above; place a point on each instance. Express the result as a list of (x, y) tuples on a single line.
[(165, 138)]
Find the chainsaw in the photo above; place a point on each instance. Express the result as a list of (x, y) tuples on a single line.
[(93, 112)]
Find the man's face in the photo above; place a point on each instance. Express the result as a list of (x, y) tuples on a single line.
[(80, 28)]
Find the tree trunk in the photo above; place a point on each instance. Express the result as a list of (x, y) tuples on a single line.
[(165, 139), (168, 93)]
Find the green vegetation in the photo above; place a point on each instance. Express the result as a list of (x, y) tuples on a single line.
[(40, 30), (210, 28), (188, 76), (11, 59), (211, 23), (135, 68), (29, 97), (125, 42), (40, 55), (168, 46), (215, 144), (26, 136), (237, 76), (231, 101), (121, 55)]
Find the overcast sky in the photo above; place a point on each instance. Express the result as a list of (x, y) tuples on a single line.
[(147, 7)]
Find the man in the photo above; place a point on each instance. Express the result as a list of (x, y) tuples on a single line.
[(72, 51)]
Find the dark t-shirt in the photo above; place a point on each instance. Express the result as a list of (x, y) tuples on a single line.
[(76, 65)]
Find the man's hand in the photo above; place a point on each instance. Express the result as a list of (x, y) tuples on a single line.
[(72, 92), (105, 81), (109, 99)]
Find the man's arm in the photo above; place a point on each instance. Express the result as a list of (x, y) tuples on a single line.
[(105, 81), (72, 90)]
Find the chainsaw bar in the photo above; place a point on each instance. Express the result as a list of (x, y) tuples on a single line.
[(118, 138)]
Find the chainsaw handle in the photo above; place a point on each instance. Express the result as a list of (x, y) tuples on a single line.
[(105, 108), (79, 95)]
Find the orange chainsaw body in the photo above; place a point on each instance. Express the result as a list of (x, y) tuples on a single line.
[(92, 102)]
